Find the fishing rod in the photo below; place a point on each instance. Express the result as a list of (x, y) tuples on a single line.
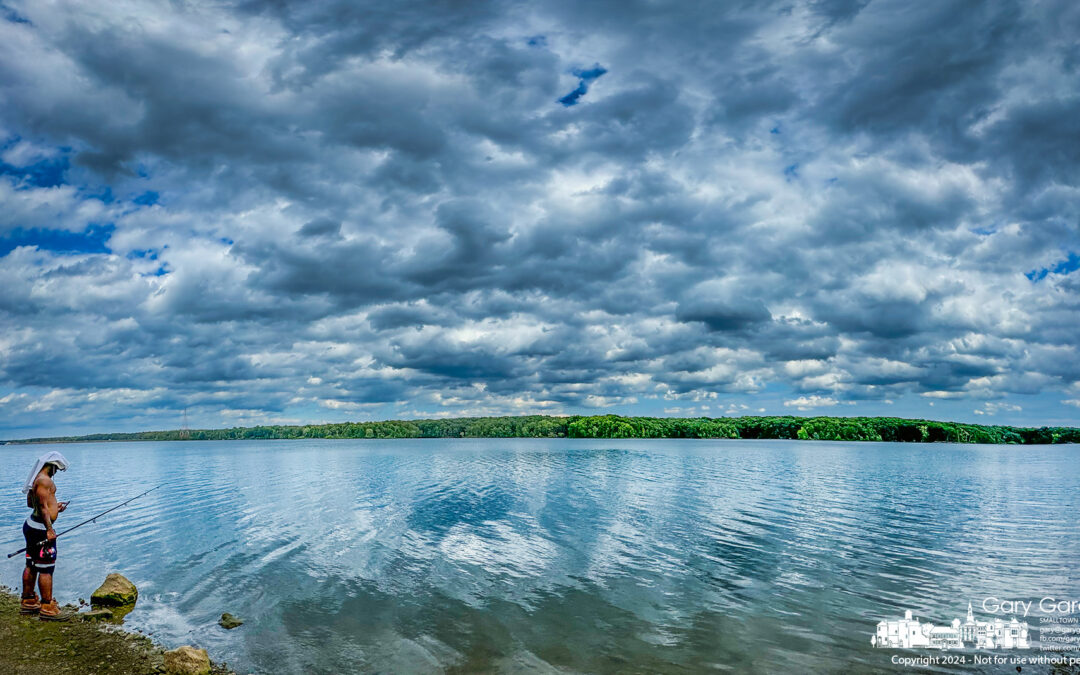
[(90, 520)]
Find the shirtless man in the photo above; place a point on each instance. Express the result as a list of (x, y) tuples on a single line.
[(41, 538)]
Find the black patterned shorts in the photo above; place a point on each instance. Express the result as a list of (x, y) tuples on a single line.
[(40, 552)]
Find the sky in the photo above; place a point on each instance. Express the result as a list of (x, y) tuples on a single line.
[(264, 211)]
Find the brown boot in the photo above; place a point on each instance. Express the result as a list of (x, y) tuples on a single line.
[(50, 611), (30, 605)]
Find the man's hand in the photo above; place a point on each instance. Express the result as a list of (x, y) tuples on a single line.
[(63, 506), (50, 535)]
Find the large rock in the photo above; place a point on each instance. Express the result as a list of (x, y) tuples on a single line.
[(117, 591), (97, 615), (187, 661), (228, 621)]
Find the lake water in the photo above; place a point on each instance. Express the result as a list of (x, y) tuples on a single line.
[(579, 555)]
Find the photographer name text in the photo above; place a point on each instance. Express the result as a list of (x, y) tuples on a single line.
[(1047, 605)]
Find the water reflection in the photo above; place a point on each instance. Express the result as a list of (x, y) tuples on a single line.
[(526, 556)]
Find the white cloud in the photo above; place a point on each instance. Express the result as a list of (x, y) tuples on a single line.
[(995, 407), (810, 402), (944, 394), (24, 153)]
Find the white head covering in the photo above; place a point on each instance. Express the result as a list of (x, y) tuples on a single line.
[(52, 457)]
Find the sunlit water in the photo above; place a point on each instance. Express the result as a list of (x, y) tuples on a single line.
[(536, 555)]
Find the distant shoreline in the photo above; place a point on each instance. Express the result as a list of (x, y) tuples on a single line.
[(879, 429)]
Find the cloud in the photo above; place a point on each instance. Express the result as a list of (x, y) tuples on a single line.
[(722, 307), (992, 408), (809, 402), (329, 210)]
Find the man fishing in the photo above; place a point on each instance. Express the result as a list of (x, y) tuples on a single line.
[(40, 491)]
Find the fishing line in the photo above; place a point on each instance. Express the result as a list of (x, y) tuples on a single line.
[(90, 520)]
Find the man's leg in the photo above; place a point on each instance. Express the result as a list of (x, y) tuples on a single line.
[(45, 584), (29, 577), (29, 603), (45, 563), (50, 609)]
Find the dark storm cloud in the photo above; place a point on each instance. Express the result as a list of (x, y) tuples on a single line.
[(321, 227), (1032, 138), (441, 357), (303, 210), (723, 314), (933, 70), (324, 34), (750, 95), (797, 340)]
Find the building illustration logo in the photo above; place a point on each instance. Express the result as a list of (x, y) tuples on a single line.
[(910, 633)]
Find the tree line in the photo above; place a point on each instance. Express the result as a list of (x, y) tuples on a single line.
[(891, 429)]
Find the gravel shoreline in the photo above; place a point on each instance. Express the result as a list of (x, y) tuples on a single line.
[(76, 647)]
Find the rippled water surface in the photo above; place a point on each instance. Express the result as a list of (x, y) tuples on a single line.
[(536, 555)]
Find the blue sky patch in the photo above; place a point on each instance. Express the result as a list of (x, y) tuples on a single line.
[(148, 198), (585, 78), (1066, 266), (46, 173), (590, 74), (143, 254), (91, 240), (572, 98)]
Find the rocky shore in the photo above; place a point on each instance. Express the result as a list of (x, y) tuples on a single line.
[(82, 646)]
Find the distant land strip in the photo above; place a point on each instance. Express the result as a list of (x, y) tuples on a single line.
[(889, 429)]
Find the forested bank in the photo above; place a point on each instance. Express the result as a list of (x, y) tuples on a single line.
[(890, 429)]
